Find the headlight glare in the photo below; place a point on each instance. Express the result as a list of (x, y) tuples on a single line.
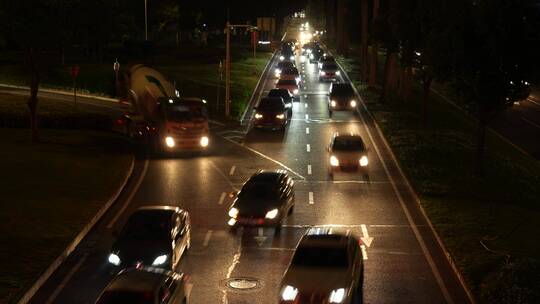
[(281, 58), (334, 161), (333, 103), (289, 293), (280, 116), (271, 214), (114, 259), (233, 212), (338, 73), (258, 116), (364, 161), (204, 141), (323, 73), (353, 103), (337, 295), (169, 141), (160, 260), (295, 92)]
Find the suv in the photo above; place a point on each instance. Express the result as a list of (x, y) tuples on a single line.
[(287, 98), (341, 97), (145, 285), (325, 268), (347, 153), (271, 113), (329, 71)]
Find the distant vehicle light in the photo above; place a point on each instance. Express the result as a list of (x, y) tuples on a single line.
[(204, 141), (233, 212), (364, 161), (169, 141), (271, 214), (160, 260), (334, 161), (337, 295), (114, 259), (204, 101), (289, 293), (292, 57), (281, 58)]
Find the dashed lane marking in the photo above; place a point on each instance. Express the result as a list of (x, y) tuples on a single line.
[(231, 172), (310, 198), (309, 169), (307, 116), (307, 130), (66, 280), (207, 238), (308, 147), (222, 198)]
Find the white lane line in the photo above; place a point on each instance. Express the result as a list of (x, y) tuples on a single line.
[(225, 177), (66, 280), (308, 147), (307, 130), (231, 172), (222, 198), (531, 100), (305, 105), (530, 122), (266, 157), (207, 238), (311, 200), (307, 116), (364, 252), (130, 197), (309, 169)]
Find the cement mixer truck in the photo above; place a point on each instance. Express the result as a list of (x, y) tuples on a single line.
[(160, 117)]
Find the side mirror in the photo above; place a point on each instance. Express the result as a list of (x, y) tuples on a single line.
[(233, 194)]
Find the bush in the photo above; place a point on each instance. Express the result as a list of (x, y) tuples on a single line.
[(82, 120)]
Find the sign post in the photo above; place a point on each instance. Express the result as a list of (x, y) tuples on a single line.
[(74, 73)]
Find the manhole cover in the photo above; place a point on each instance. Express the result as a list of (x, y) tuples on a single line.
[(243, 283)]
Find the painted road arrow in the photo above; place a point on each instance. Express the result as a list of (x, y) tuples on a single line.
[(366, 238), (260, 239)]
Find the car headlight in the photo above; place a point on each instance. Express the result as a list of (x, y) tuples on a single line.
[(338, 73), (169, 141), (233, 212), (231, 222), (333, 103), (271, 214), (337, 295), (323, 73), (278, 71), (288, 105), (204, 141), (334, 161), (292, 57), (160, 260), (258, 116), (289, 293), (295, 92), (280, 116), (281, 58), (114, 259), (353, 103), (364, 161)]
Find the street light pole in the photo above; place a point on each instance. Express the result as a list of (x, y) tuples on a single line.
[(228, 72), (145, 20)]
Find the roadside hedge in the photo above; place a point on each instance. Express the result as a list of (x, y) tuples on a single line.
[(76, 120)]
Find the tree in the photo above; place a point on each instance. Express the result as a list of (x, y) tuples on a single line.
[(493, 63), (374, 48)]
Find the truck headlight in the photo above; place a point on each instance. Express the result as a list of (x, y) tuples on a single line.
[(271, 214), (169, 141), (258, 116), (337, 295), (204, 141), (364, 161), (289, 293), (353, 103), (233, 212), (334, 161), (280, 116), (160, 260), (333, 103), (114, 259)]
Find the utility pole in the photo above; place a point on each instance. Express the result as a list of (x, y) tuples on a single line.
[(145, 20), (228, 71)]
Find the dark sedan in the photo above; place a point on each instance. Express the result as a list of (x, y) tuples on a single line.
[(264, 200), (154, 236), (145, 286), (341, 98), (271, 113)]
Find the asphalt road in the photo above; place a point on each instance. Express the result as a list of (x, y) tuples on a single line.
[(403, 263)]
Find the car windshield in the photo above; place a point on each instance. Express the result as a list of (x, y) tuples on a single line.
[(148, 225), (342, 90), (270, 105), (185, 112), (259, 190), (329, 66), (290, 71), (321, 257), (348, 144), (126, 296), (279, 93), (286, 82)]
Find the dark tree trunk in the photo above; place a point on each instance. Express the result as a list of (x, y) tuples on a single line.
[(374, 49), (480, 145), (31, 62), (330, 19), (364, 40), (388, 77), (405, 83), (341, 26), (425, 98)]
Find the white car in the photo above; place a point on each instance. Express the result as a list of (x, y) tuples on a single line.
[(325, 268)]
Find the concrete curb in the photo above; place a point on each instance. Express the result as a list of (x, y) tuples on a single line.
[(62, 92), (29, 294), (407, 183)]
